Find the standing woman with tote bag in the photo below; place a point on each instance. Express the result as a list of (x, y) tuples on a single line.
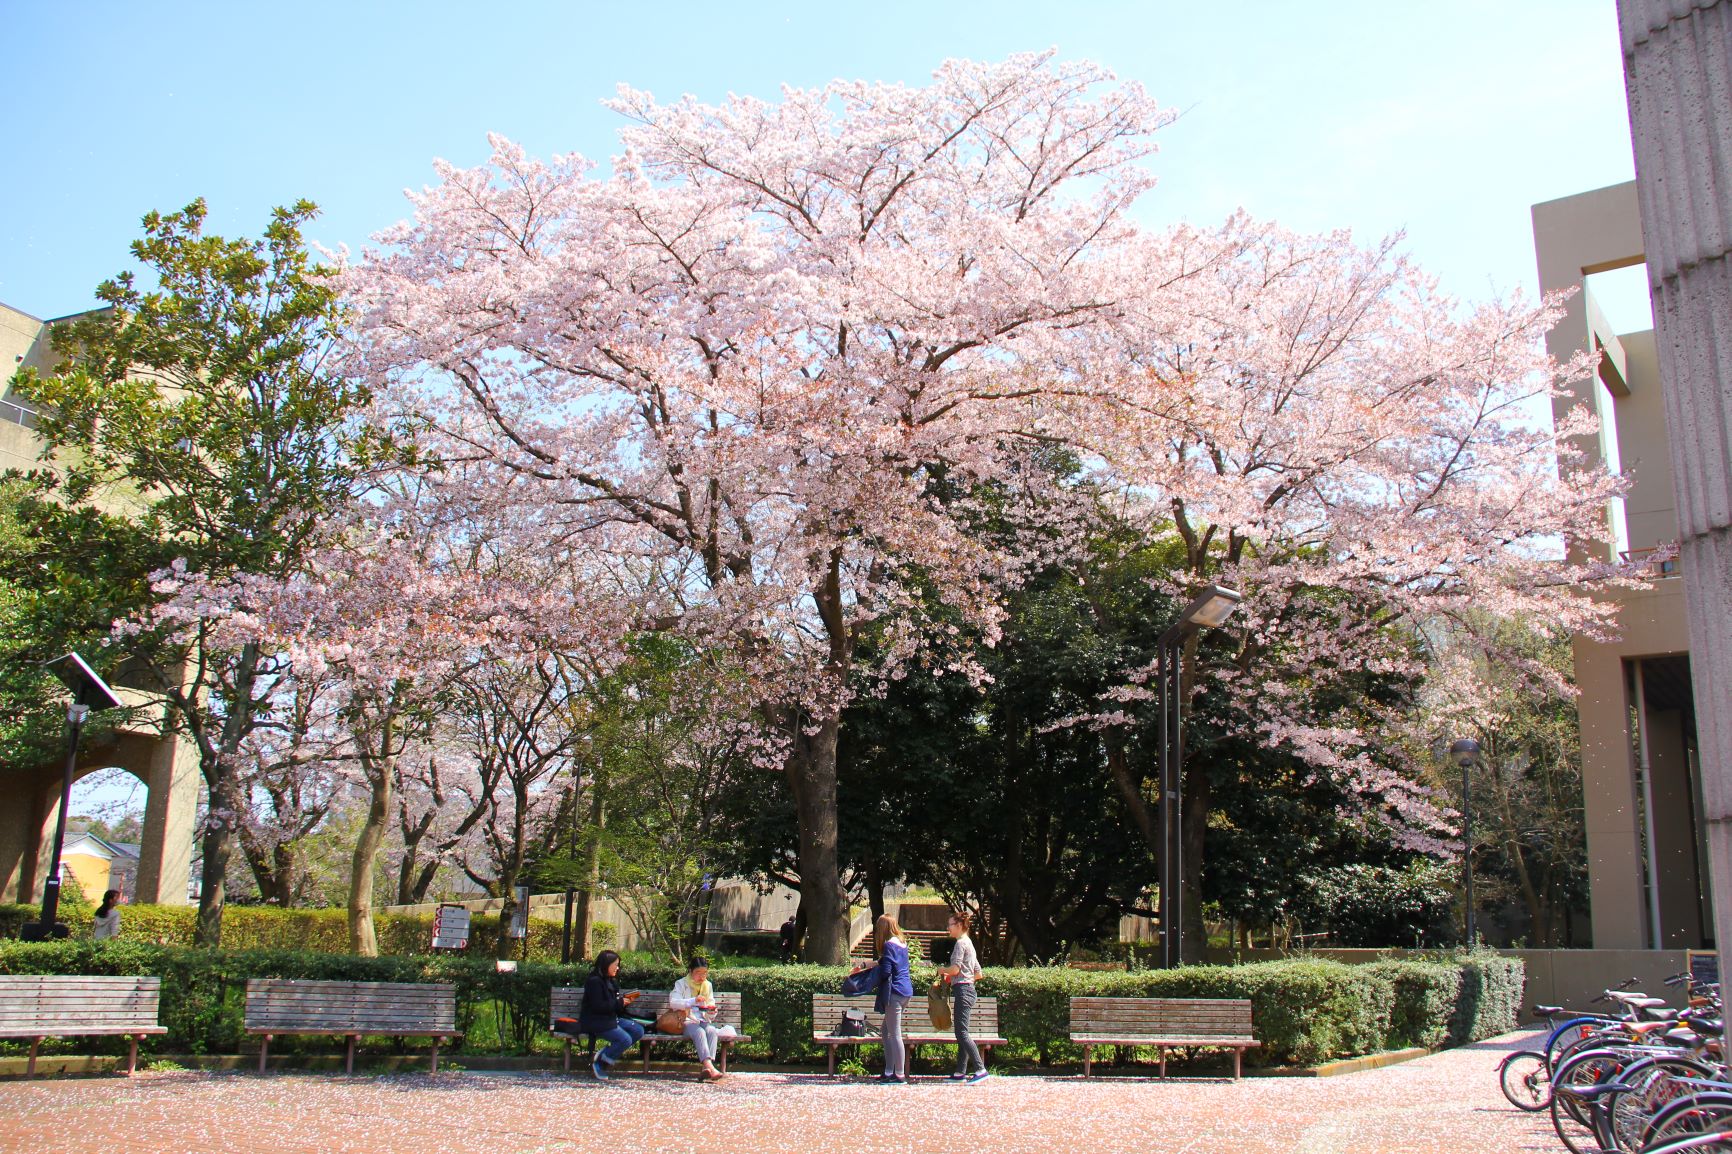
[(895, 985), (961, 973)]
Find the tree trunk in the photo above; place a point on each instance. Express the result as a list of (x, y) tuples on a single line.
[(1130, 786), (363, 938), (811, 770), (218, 845), (875, 887), (591, 864), (223, 817)]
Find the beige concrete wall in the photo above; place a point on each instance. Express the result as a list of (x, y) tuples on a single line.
[(1574, 237), (1650, 508)]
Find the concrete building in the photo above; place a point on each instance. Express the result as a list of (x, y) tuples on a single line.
[(1641, 779), (168, 767)]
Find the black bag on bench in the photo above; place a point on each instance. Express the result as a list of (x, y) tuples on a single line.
[(852, 1025)]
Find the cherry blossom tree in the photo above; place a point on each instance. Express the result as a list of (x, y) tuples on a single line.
[(737, 366), (1323, 430)]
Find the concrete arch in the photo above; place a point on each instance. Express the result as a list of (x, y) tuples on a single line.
[(30, 807)]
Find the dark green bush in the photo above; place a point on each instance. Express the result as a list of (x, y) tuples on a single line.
[(1306, 1010)]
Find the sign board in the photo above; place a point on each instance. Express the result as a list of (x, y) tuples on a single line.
[(519, 927), (451, 928), (1704, 966)]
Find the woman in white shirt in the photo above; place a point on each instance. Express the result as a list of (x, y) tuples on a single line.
[(961, 973), (694, 995), (107, 923)]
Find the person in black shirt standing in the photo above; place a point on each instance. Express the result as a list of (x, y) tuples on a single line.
[(603, 1014)]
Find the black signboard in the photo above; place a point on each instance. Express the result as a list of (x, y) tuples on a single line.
[(1704, 967)]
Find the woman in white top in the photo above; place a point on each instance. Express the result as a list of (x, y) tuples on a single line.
[(694, 995), (107, 923), (961, 973)]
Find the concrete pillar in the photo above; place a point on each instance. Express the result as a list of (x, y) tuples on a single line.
[(1609, 813), (170, 817), (1678, 73)]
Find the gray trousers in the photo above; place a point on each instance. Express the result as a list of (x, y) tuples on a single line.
[(962, 999), (895, 1052), (703, 1036)]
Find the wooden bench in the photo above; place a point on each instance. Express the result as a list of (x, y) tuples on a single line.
[(567, 1002), (281, 1006), (1164, 1023), (917, 1028), (79, 1005)]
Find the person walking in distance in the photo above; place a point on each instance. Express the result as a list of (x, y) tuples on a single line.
[(895, 985), (790, 930), (107, 924), (962, 973)]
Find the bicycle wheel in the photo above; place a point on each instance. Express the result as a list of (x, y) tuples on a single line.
[(1692, 1114), (1526, 1080), (1718, 1142), (1648, 1086), (1587, 1068)]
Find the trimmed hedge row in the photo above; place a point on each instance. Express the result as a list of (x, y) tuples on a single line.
[(1306, 1011), (273, 928)]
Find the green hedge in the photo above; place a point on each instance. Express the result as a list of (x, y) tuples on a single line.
[(1306, 1011), (272, 928)]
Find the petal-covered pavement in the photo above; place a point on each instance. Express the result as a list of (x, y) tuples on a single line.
[(1447, 1102)]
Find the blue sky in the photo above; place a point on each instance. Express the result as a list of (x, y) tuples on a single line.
[(1446, 119)]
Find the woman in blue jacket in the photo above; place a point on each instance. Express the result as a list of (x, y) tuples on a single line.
[(895, 985)]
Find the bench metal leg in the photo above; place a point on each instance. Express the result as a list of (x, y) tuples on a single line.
[(30, 1070), (131, 1054), (349, 1055), (644, 1050), (264, 1049), (436, 1042), (568, 1055), (1238, 1055), (829, 1070), (1088, 1060), (724, 1048), (1162, 1050)]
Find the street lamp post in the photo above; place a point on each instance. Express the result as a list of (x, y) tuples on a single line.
[(1466, 754), (89, 692), (1207, 610)]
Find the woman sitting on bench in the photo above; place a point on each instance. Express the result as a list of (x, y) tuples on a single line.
[(603, 1013), (697, 998)]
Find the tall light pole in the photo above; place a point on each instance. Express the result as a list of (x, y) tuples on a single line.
[(89, 692), (1466, 754), (1207, 610)]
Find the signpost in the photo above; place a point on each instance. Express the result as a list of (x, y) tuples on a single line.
[(519, 927), (451, 928)]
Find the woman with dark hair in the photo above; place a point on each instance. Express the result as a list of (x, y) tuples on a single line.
[(603, 1014), (107, 917), (694, 994)]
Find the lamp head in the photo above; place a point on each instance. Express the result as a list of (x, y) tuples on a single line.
[(1465, 752), (1211, 608), (87, 688)]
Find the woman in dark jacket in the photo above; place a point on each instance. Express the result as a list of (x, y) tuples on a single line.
[(602, 1016)]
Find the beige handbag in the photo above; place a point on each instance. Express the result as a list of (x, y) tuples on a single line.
[(671, 1022)]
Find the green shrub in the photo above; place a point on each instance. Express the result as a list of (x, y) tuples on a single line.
[(1306, 1010), (1424, 999)]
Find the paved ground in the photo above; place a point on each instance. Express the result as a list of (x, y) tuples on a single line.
[(1448, 1102)]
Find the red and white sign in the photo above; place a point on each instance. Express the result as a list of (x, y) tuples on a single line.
[(451, 928)]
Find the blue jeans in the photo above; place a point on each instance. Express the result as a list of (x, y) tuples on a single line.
[(621, 1038)]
